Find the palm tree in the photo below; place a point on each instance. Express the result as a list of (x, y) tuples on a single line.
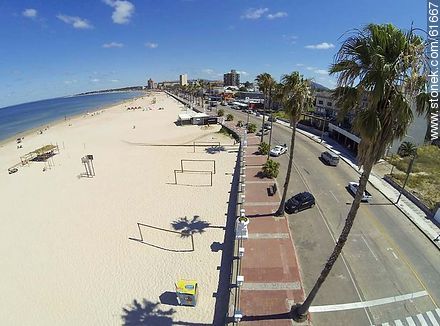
[(380, 70), (407, 149), (296, 96), (275, 92), (265, 83)]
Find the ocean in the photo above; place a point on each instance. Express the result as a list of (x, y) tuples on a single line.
[(22, 117)]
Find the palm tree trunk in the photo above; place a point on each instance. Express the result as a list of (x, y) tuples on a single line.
[(299, 312), (264, 115), (280, 210), (271, 121)]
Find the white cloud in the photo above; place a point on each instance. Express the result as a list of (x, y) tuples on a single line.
[(321, 46), (311, 68), (31, 13), (123, 10), (68, 82), (244, 73), (76, 22), (112, 45), (299, 65), (95, 80), (321, 71), (279, 14), (290, 38), (208, 71), (151, 45), (252, 13), (115, 80)]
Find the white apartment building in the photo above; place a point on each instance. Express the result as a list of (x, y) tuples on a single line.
[(183, 80)]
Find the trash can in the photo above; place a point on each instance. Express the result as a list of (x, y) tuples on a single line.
[(186, 292)]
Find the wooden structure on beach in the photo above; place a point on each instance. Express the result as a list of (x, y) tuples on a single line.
[(41, 154)]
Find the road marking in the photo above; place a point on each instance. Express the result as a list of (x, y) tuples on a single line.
[(432, 318), (398, 322), (368, 246), (395, 256), (422, 320), (334, 196), (410, 321), (438, 312), (370, 303), (385, 324)]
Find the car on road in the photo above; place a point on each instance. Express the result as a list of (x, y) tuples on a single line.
[(12, 170), (264, 132), (353, 187), (330, 158), (299, 202), (278, 150)]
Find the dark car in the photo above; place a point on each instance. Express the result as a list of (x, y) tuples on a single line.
[(299, 202)]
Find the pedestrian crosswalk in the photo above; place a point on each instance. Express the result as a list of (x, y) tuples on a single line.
[(429, 318)]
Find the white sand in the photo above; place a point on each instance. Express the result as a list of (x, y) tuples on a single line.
[(66, 256)]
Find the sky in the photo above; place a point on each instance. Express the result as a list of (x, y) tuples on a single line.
[(52, 48)]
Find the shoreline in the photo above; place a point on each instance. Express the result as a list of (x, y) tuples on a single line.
[(53, 123)]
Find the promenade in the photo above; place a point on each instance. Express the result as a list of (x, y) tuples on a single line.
[(272, 278)]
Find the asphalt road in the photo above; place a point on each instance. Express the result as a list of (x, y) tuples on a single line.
[(386, 258)]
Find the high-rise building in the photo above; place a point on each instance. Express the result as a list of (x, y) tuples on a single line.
[(231, 78), (183, 80), (151, 84)]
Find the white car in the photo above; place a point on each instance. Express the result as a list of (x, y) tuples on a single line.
[(264, 132), (353, 187), (278, 150)]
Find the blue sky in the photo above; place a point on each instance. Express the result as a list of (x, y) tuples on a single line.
[(53, 48)]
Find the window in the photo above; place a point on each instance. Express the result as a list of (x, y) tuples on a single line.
[(320, 102), (329, 103)]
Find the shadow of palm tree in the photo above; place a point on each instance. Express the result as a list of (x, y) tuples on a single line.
[(188, 228), (215, 149), (147, 313)]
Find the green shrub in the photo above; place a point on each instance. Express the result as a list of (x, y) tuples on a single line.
[(240, 123), (263, 148), (221, 112), (271, 169), (252, 127), (229, 117)]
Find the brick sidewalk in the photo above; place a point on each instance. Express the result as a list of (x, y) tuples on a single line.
[(272, 281)]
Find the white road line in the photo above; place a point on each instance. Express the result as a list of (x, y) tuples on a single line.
[(398, 322), (395, 256), (432, 318), (385, 324), (422, 320), (410, 321), (370, 303), (438, 312), (334, 196), (375, 257)]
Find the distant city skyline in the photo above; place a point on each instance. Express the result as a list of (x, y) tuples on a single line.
[(58, 48)]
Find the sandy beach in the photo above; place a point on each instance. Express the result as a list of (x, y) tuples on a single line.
[(71, 249)]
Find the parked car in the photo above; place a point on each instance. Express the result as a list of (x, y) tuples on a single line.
[(12, 170), (278, 150), (330, 158), (353, 187), (262, 131), (299, 202), (273, 119)]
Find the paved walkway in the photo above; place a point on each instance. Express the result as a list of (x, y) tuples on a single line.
[(272, 280), (405, 205)]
